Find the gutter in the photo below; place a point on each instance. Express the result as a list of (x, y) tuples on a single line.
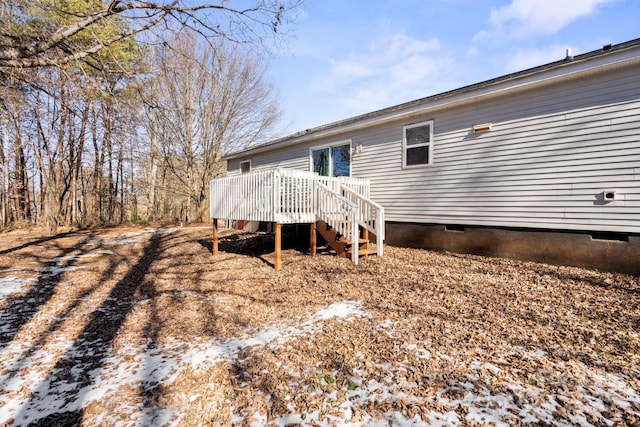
[(587, 63)]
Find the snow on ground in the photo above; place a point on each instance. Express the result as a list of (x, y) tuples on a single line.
[(68, 258), (128, 238), (13, 285), (30, 396), (474, 396), (31, 387)]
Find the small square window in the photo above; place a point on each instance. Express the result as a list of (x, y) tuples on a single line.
[(245, 167), (417, 144)]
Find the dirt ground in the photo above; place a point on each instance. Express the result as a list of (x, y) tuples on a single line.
[(127, 327)]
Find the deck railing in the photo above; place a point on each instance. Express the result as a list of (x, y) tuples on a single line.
[(287, 196), (293, 196), (362, 186), (340, 213), (249, 197), (273, 195), (370, 215)]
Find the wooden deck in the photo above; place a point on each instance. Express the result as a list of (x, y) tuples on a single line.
[(284, 196)]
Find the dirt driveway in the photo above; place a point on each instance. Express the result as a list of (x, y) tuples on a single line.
[(144, 327)]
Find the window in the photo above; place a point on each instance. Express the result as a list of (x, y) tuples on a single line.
[(245, 167), (320, 161), (341, 160), (417, 144), (333, 160)]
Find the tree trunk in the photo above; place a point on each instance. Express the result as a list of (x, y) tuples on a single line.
[(55, 193), (5, 177), (96, 181), (118, 190), (108, 144), (200, 205), (152, 205), (39, 148), (76, 165), (23, 203)]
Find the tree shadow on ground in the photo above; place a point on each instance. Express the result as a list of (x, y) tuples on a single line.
[(83, 360), (20, 309), (253, 244), (36, 242), (629, 284)]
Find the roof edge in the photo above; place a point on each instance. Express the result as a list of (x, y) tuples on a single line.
[(309, 133)]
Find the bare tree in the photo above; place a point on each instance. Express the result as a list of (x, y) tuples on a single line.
[(79, 147), (17, 200), (209, 99)]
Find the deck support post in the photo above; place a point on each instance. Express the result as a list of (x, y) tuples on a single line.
[(365, 236), (214, 246), (278, 260), (313, 238)]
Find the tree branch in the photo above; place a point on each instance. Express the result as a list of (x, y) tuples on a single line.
[(54, 49)]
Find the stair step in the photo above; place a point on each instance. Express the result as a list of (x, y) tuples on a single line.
[(349, 242), (341, 222), (341, 244), (364, 252)]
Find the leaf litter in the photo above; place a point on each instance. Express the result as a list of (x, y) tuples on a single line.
[(145, 327)]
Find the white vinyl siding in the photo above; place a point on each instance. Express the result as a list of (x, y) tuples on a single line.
[(292, 158), (550, 153), (542, 171), (544, 163)]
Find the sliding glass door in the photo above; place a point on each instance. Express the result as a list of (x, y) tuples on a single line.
[(332, 161)]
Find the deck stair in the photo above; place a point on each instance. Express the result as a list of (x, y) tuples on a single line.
[(341, 244)]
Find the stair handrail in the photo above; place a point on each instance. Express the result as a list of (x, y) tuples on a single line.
[(340, 213), (370, 215), (361, 186)]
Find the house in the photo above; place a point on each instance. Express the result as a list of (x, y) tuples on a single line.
[(541, 164)]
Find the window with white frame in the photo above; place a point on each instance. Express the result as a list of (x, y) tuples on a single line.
[(245, 167), (332, 160), (417, 144)]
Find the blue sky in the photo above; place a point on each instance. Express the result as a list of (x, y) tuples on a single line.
[(349, 57)]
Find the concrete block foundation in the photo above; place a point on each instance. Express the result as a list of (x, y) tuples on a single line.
[(614, 252)]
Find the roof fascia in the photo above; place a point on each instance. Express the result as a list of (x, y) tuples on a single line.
[(564, 70)]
